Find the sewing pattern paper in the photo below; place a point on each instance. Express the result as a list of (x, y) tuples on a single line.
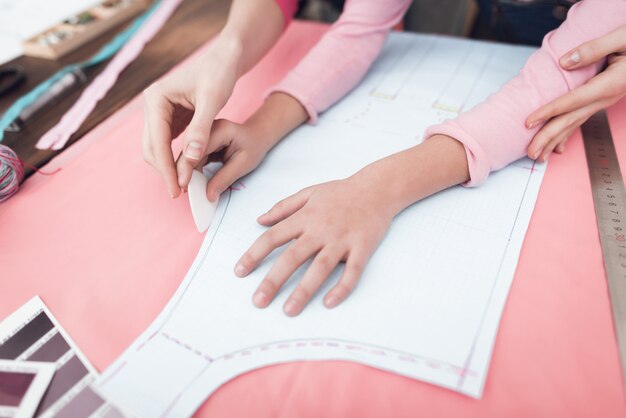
[(430, 300)]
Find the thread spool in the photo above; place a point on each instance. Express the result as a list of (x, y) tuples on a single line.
[(11, 172)]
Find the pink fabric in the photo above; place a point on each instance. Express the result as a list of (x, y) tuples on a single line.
[(341, 59), (289, 8), (494, 133), (105, 247)]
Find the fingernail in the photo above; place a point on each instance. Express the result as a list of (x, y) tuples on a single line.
[(571, 59), (240, 270), (291, 308), (260, 299), (332, 301), (193, 150), (533, 124)]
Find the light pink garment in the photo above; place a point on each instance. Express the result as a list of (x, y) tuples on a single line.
[(342, 57), (493, 133)]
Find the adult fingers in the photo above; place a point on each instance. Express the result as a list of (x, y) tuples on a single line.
[(595, 50), (271, 239), (196, 139), (322, 266), (355, 265), (560, 129), (288, 262), (286, 207), (548, 132), (598, 88), (157, 137), (558, 141)]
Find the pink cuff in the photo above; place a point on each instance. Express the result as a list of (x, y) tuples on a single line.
[(476, 156), (304, 101)]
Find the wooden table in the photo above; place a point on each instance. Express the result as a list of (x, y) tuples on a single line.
[(192, 25)]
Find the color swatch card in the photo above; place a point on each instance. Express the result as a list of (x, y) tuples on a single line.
[(430, 300), (22, 386), (33, 334)]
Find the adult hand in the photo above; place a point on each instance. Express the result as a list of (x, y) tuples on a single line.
[(568, 112), (188, 100)]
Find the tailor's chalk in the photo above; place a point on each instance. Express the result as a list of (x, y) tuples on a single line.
[(202, 208)]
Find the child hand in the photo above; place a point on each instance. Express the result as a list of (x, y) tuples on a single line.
[(571, 110), (239, 147), (339, 221)]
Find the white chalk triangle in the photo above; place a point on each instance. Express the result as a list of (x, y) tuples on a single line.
[(201, 207)]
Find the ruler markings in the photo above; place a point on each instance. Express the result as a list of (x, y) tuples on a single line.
[(609, 198)]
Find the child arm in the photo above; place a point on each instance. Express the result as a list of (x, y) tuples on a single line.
[(494, 133), (344, 54)]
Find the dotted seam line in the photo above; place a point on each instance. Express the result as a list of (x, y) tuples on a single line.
[(432, 364)]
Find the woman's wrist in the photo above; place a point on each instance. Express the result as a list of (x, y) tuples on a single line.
[(229, 47)]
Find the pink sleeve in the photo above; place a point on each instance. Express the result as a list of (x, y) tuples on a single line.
[(289, 8), (343, 55), (494, 133)]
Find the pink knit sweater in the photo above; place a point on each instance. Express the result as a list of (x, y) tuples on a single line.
[(493, 132)]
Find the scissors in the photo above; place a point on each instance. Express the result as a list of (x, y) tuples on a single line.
[(10, 78)]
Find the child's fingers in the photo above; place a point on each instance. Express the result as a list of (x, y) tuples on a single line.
[(322, 266), (595, 50), (346, 284), (232, 170), (598, 88), (271, 239), (288, 262), (286, 207)]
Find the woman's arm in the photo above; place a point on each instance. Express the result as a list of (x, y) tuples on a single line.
[(191, 98)]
